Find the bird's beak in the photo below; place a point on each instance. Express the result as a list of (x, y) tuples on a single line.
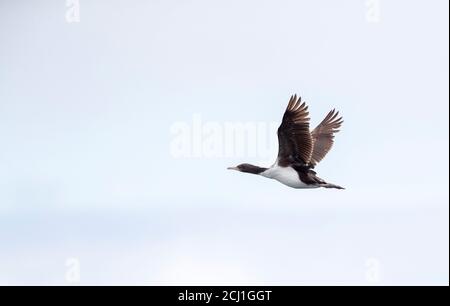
[(233, 168)]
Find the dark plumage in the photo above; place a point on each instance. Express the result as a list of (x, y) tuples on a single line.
[(299, 149)]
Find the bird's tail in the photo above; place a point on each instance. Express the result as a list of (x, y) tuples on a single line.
[(328, 185), (321, 182)]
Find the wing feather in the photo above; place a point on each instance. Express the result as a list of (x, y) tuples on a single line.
[(294, 137), (323, 136)]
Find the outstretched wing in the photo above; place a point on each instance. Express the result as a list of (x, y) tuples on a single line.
[(323, 136), (294, 137)]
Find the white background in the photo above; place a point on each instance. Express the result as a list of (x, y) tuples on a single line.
[(91, 193)]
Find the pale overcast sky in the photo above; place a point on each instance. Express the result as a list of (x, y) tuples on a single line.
[(88, 107)]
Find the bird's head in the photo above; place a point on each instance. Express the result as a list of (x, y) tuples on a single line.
[(248, 168)]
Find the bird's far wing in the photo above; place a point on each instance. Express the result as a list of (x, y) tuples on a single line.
[(294, 137), (323, 136)]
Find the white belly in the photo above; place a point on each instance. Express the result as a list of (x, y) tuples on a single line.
[(287, 176)]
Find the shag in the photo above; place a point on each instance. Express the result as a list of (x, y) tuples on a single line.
[(299, 149)]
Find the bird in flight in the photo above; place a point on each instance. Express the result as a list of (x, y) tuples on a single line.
[(299, 149)]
